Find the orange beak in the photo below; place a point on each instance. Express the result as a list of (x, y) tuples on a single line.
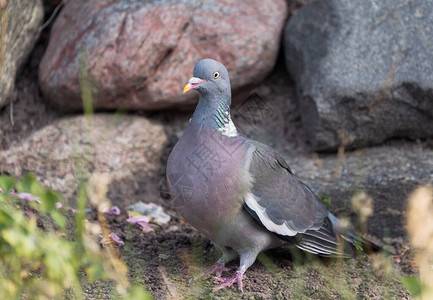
[(193, 83), (187, 87)]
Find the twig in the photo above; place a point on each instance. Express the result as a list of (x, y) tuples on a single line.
[(53, 15), (169, 284), (11, 113)]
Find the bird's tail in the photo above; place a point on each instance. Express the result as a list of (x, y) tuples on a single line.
[(356, 240)]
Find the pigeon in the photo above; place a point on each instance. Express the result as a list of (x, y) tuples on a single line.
[(238, 192)]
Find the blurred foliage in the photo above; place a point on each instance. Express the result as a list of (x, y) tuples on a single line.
[(326, 200), (413, 284), (38, 260), (419, 225)]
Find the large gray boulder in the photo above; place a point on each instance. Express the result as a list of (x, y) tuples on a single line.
[(387, 173), (139, 54), (20, 22), (363, 70)]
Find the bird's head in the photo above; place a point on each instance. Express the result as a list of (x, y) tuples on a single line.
[(210, 77)]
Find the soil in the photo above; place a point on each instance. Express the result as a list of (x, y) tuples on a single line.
[(165, 261)]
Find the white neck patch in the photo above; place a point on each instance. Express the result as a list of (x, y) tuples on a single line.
[(229, 128)]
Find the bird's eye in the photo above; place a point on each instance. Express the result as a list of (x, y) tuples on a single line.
[(216, 75)]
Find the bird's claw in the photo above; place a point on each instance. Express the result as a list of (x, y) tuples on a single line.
[(217, 269), (228, 281)]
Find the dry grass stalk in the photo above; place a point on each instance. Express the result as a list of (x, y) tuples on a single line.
[(97, 190), (420, 229)]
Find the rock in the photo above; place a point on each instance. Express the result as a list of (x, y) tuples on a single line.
[(363, 70), (173, 228), (151, 210), (58, 154), (270, 115), (387, 173), (139, 55), (20, 22)]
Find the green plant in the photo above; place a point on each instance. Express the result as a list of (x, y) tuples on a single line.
[(326, 200), (37, 259)]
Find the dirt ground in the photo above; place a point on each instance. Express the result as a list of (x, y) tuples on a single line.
[(165, 261)]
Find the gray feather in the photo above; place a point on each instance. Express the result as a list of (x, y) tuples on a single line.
[(286, 206)]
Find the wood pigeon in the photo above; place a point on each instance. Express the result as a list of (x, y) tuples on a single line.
[(238, 192)]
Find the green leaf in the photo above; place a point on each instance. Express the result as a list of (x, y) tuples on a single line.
[(358, 243), (49, 199), (412, 284), (326, 200), (137, 293), (36, 189), (7, 183), (58, 218), (25, 184), (95, 271), (134, 213)]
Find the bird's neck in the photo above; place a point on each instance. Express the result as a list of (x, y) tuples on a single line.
[(214, 113)]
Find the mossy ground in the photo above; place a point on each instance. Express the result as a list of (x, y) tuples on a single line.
[(167, 260)]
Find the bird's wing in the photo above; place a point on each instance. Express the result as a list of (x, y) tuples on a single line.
[(281, 203)]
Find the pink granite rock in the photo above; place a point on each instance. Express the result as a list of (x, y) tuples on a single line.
[(139, 55)]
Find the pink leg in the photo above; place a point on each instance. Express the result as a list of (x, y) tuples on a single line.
[(247, 259), (237, 277), (217, 269)]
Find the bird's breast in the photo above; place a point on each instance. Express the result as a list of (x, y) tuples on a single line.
[(207, 177)]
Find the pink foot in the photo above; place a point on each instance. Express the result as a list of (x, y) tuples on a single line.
[(237, 277), (218, 269)]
